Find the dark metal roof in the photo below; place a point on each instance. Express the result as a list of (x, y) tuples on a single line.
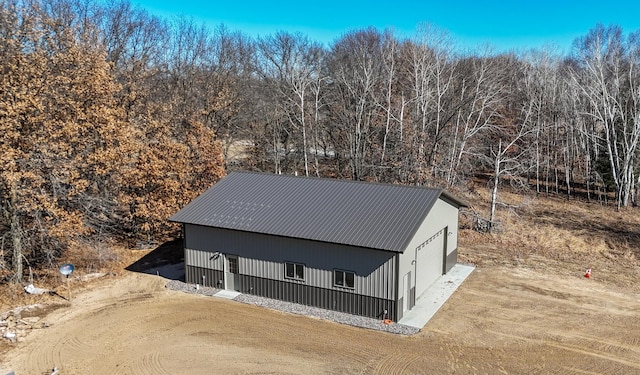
[(373, 215)]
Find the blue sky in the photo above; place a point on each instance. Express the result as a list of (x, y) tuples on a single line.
[(504, 25)]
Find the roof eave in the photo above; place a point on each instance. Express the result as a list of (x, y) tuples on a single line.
[(452, 200), (385, 249)]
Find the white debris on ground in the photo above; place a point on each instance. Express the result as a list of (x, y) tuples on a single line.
[(14, 327), (9, 335), (294, 308), (33, 290)]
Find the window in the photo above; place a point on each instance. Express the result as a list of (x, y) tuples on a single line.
[(294, 271), (344, 278), (232, 264)]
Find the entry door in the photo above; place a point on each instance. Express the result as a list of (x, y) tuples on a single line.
[(231, 272)]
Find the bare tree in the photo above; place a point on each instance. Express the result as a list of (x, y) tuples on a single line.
[(506, 144), (433, 70), (232, 73), (136, 43), (481, 94), (290, 65), (608, 82), (355, 70), (508, 159), (389, 58)]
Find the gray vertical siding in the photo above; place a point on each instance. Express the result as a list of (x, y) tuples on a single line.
[(332, 299), (213, 278), (261, 261), (451, 260), (202, 258), (263, 256)]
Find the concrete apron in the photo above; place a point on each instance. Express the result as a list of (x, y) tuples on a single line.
[(228, 294), (435, 296)]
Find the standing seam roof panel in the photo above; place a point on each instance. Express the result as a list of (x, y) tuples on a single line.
[(379, 216)]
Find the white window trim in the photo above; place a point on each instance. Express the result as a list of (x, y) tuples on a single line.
[(304, 272), (344, 279)]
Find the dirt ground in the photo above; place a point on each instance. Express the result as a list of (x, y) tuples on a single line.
[(510, 319)]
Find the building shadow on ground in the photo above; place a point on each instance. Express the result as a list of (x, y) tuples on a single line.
[(166, 260)]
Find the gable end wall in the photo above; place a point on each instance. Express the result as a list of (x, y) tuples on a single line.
[(442, 217)]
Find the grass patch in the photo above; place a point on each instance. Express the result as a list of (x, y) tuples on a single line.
[(560, 235)]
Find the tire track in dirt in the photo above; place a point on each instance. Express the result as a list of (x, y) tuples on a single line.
[(613, 356), (61, 352), (67, 348), (565, 314), (573, 369), (362, 357), (397, 363), (595, 342), (149, 364), (48, 359), (605, 345), (607, 356), (599, 354), (305, 337), (485, 328)]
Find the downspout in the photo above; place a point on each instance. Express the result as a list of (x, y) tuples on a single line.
[(397, 297), (445, 267), (184, 250), (184, 240)]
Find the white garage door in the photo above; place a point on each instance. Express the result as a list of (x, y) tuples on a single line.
[(430, 262)]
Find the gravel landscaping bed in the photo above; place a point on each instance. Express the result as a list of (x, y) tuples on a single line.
[(294, 308)]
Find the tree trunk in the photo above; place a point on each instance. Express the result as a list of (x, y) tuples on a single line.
[(304, 133), (496, 182), (567, 176), (16, 237), (636, 193), (538, 159)]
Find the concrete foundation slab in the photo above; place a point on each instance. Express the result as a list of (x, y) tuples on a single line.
[(228, 294), (435, 296)]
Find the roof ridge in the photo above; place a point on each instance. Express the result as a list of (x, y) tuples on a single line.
[(345, 180), (357, 213)]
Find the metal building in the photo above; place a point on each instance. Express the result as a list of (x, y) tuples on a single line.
[(363, 248)]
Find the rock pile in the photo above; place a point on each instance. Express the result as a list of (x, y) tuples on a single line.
[(13, 326)]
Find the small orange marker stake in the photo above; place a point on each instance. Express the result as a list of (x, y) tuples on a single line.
[(587, 273)]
